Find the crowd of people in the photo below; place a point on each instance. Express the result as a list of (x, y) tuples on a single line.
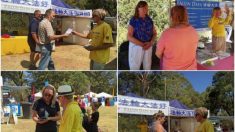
[(177, 45), (74, 118), (41, 40)]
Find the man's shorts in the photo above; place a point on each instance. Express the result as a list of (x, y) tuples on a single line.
[(32, 45)]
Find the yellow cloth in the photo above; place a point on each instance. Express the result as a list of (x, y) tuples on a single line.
[(101, 34), (72, 119), (143, 127), (15, 45), (217, 25), (205, 126)]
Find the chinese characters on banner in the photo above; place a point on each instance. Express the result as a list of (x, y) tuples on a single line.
[(27, 6), (132, 105)]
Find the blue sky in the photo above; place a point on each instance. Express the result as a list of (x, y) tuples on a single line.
[(199, 79)]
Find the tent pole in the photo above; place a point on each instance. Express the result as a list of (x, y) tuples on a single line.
[(168, 120)]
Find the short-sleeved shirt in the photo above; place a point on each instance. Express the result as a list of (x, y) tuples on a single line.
[(72, 119), (205, 126), (143, 28), (178, 48), (218, 25), (93, 124), (43, 110), (101, 34), (44, 31), (33, 28)]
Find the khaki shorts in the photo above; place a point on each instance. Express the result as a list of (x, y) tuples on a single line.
[(218, 44)]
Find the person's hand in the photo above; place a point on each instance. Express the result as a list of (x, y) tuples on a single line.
[(147, 45), (66, 35), (227, 11), (42, 121), (74, 32), (90, 48)]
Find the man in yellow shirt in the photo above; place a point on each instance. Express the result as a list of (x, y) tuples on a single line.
[(72, 115), (101, 40), (143, 126), (201, 116), (217, 24)]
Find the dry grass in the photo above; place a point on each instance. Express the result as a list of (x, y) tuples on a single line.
[(66, 57), (107, 122)]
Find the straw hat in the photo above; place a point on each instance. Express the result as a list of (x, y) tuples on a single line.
[(65, 90)]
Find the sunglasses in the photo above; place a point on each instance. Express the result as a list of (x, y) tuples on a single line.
[(196, 114), (94, 16), (48, 95)]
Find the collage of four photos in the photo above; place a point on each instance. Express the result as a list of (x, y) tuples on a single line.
[(117, 66)]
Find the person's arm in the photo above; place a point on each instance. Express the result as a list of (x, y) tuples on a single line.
[(150, 43), (131, 38), (55, 118), (160, 47), (101, 47), (229, 17), (107, 40), (35, 118), (159, 128), (35, 37), (81, 34), (51, 35), (211, 22), (34, 31), (54, 37)]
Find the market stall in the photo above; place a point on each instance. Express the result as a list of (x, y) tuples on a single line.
[(199, 13), (182, 118), (179, 116), (77, 19), (142, 106)]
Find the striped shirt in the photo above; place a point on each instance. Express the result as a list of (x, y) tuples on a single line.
[(44, 31)]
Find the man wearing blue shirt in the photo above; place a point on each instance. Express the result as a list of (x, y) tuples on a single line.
[(33, 39)]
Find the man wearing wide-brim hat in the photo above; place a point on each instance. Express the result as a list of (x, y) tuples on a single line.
[(72, 116)]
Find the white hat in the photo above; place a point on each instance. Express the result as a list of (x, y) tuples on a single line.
[(65, 90)]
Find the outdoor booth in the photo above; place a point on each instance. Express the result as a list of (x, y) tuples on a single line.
[(199, 13), (14, 103), (179, 117), (141, 106), (182, 118), (106, 99), (78, 20)]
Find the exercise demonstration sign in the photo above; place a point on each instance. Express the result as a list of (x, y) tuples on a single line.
[(132, 105), (199, 12), (27, 6)]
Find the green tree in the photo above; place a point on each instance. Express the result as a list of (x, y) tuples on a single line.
[(102, 81), (16, 78), (158, 11), (160, 86), (220, 95), (109, 5)]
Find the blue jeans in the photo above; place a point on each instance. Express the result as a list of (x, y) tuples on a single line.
[(46, 60)]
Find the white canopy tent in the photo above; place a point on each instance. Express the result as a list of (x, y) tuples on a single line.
[(91, 94), (141, 106), (103, 94)]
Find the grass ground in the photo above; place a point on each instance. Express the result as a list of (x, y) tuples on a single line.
[(66, 57), (107, 122)]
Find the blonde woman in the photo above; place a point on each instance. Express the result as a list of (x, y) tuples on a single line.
[(46, 111), (201, 117), (159, 119), (101, 40), (178, 44)]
